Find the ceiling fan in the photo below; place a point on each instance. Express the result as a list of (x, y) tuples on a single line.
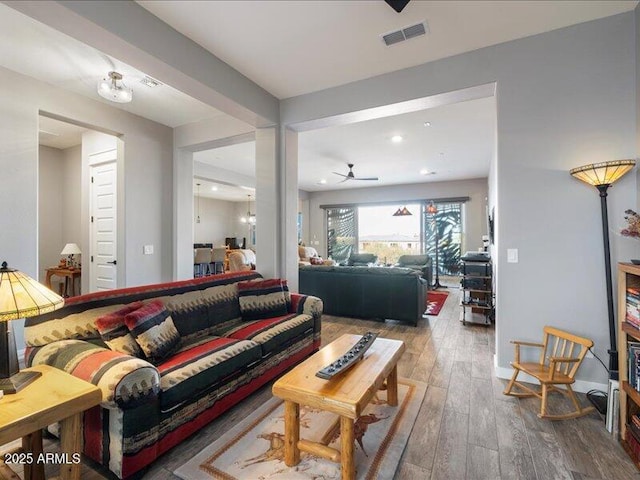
[(351, 176)]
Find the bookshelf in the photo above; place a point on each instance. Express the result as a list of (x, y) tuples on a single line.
[(628, 278), (477, 288)]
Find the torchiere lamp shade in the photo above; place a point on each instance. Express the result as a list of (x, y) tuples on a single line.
[(20, 296), (604, 173)]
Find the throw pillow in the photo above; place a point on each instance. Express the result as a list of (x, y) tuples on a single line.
[(262, 299), (115, 333), (316, 261), (152, 327)]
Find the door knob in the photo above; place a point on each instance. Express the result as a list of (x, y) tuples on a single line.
[(115, 262)]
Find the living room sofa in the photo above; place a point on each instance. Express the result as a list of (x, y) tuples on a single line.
[(147, 408), (366, 292)]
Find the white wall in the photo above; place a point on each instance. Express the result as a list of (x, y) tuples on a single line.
[(72, 195), (218, 220), (58, 204), (475, 219), (50, 208), (147, 167), (564, 98)]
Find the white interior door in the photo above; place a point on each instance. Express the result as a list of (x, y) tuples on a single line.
[(104, 264)]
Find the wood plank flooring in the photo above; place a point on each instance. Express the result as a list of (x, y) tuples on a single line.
[(466, 428)]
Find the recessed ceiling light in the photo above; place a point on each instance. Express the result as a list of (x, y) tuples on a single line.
[(214, 188), (425, 171), (323, 181), (396, 138), (427, 124)]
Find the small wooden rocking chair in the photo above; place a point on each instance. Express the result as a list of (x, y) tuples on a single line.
[(557, 366)]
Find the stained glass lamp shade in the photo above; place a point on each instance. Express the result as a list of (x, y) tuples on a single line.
[(20, 296)]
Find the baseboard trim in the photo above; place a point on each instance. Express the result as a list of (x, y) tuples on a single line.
[(579, 386)]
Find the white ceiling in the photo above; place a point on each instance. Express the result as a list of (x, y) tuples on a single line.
[(34, 49), (289, 48), (56, 134), (239, 158), (459, 144), (295, 47), (221, 191)]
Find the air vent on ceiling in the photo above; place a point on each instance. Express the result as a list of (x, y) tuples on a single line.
[(150, 82), (405, 33)]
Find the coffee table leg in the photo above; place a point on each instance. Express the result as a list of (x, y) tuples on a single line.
[(70, 443), (392, 387), (348, 461), (291, 433)]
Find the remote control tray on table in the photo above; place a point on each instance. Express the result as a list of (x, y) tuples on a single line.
[(349, 359)]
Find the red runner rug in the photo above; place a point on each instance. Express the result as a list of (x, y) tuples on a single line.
[(435, 302)]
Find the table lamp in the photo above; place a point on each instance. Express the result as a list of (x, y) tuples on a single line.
[(20, 296), (71, 249)]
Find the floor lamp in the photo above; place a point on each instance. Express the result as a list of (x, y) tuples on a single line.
[(433, 210), (20, 296), (602, 176)]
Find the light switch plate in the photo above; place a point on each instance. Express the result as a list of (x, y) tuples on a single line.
[(148, 250), (512, 255)]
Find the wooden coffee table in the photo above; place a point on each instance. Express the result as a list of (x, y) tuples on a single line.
[(346, 395)]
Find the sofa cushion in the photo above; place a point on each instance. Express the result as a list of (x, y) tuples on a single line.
[(190, 372), (262, 299), (152, 327), (223, 308), (190, 314), (273, 333), (115, 333)]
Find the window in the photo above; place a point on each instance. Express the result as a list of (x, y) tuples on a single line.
[(342, 229)]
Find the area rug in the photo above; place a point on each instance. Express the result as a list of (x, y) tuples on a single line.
[(254, 449), (435, 302)]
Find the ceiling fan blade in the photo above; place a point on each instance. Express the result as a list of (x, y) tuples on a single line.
[(345, 179), (366, 178), (346, 176)]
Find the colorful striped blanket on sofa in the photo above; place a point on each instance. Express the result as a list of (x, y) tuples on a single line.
[(148, 408)]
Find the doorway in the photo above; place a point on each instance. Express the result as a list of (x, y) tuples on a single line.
[(69, 155)]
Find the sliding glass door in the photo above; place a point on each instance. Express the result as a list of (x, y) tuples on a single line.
[(448, 225)]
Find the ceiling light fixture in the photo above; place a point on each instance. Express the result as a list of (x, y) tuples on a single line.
[(396, 138), (424, 171), (427, 124), (214, 189), (251, 217), (323, 181), (112, 88)]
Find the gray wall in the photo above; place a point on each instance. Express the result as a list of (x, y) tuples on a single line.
[(474, 220), (59, 196), (50, 207), (564, 98), (220, 219), (147, 166)]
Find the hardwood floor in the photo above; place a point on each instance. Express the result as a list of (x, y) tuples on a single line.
[(466, 428)]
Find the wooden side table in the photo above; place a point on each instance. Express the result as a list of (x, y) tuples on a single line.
[(54, 397), (69, 276)]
